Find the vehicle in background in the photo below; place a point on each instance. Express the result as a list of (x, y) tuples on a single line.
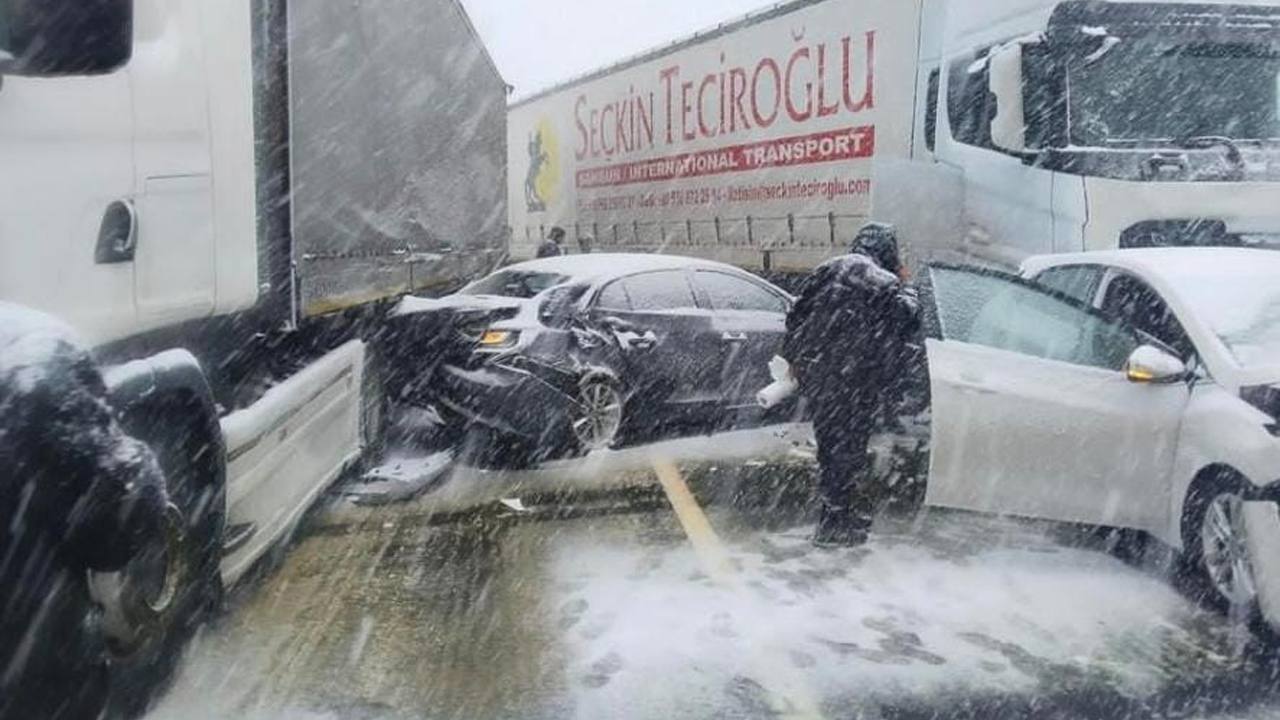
[(566, 355), (224, 208), (984, 129), (1133, 389)]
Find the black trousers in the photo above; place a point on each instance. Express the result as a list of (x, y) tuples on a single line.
[(843, 424)]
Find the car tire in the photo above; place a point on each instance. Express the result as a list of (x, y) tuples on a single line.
[(147, 636), (1214, 564), (598, 419)]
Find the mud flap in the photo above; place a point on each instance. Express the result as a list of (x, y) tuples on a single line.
[(1262, 529)]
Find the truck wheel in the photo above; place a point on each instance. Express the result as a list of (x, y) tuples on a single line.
[(153, 607), (1215, 558)]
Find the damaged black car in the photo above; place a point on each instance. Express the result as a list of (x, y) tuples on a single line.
[(563, 356)]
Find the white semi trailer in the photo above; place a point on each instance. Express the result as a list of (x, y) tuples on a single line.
[(222, 198), (988, 129)]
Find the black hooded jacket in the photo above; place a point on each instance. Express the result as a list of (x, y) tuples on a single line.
[(850, 327)]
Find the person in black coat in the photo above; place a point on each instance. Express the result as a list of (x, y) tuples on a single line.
[(552, 246), (847, 337), (76, 494)]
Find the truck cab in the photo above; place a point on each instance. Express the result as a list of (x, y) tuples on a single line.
[(1083, 125), (129, 198)]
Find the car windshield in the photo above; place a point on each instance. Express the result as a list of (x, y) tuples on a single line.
[(1243, 310), (515, 284), (1137, 90)]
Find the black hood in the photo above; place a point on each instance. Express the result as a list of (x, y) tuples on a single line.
[(879, 241)]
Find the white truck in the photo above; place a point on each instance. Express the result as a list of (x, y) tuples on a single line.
[(985, 129), (223, 198)]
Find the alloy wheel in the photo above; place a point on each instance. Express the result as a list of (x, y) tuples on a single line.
[(600, 416), (1225, 552)]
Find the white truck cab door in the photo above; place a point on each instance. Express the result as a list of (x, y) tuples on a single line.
[(1008, 203), (1033, 414), (66, 164), (176, 253)]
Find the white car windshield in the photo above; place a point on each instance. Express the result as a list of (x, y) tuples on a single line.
[(1243, 310)]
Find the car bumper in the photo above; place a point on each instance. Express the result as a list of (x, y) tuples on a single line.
[(505, 398)]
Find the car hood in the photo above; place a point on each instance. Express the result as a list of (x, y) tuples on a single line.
[(1260, 375)]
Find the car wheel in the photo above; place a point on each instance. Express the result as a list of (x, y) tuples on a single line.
[(597, 420), (153, 607), (1215, 548)]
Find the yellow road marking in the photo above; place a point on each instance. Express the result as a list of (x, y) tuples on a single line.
[(788, 693)]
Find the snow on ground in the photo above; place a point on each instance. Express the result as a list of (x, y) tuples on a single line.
[(417, 610), (384, 615), (982, 606)]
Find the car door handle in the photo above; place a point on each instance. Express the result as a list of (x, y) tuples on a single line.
[(734, 337)]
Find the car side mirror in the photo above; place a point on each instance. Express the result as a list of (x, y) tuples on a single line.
[(1149, 365), (52, 38), (1004, 78)]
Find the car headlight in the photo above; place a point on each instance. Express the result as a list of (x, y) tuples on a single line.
[(1267, 399), (498, 339)]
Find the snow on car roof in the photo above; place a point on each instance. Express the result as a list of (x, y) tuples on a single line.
[(1168, 263), (604, 265)]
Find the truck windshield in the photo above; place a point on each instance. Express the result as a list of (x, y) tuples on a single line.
[(1134, 91)]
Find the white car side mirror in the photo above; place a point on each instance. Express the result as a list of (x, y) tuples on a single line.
[(1152, 366)]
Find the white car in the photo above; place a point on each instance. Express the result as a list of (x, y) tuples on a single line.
[(1135, 389)]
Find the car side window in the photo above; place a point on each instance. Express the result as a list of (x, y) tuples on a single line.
[(1076, 281), (613, 297), (727, 292), (1001, 312), (664, 290), (1138, 304)]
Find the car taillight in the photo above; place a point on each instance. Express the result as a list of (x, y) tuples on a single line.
[(497, 339)]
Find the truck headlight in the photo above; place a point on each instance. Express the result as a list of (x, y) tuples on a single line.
[(1267, 399)]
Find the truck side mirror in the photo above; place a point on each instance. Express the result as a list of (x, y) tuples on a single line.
[(51, 38), (1009, 124)]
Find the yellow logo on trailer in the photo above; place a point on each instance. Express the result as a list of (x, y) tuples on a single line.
[(543, 180)]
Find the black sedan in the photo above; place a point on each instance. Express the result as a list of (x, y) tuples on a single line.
[(566, 355)]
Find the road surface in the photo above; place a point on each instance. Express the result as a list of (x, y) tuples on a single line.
[(600, 606)]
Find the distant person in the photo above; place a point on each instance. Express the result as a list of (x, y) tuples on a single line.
[(846, 337), (586, 244), (553, 245), (76, 494)]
